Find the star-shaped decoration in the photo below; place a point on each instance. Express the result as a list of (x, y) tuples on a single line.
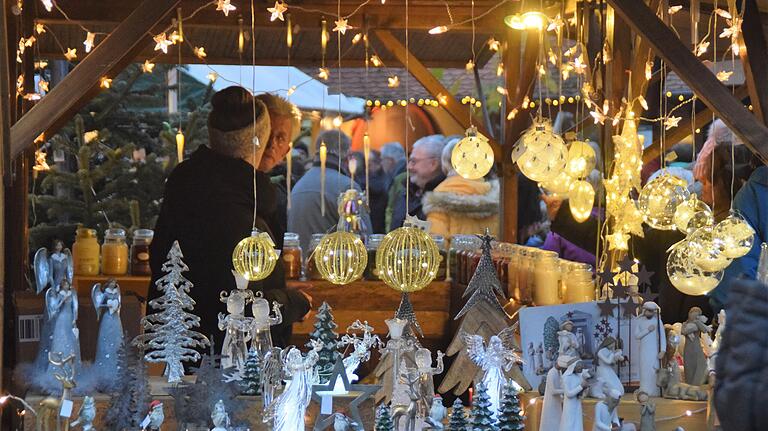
[(147, 67), (89, 41), (619, 290), (626, 264), (71, 54), (618, 241), (376, 61), (341, 25), (644, 276), (606, 307), (556, 24), (701, 48), (494, 44), (674, 9), (39, 28), (162, 43), (277, 11), (47, 4), (723, 75), (393, 81), (323, 73), (648, 296), (42, 85), (200, 52), (629, 308), (325, 419), (105, 82), (224, 6), (606, 277), (671, 122)]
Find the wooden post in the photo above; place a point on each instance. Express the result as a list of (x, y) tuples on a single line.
[(698, 77), (753, 53), (107, 59), (5, 135)]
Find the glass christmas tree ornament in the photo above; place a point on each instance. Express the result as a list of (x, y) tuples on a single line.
[(659, 199), (707, 250), (540, 153), (692, 214), (560, 184), (581, 159), (736, 234), (341, 257), (581, 197), (472, 157), (407, 259), (255, 256), (688, 277)]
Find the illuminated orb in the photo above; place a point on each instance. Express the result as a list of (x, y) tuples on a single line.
[(686, 276), (559, 185), (659, 199), (255, 256), (472, 157), (737, 235), (581, 159), (581, 198), (707, 250), (540, 154), (693, 214), (341, 257), (407, 259)]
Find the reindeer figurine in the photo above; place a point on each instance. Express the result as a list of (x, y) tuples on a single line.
[(50, 406)]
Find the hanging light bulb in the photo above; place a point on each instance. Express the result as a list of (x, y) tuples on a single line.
[(407, 259), (686, 276), (323, 157), (341, 257), (693, 214), (527, 21), (581, 198), (472, 157), (560, 185), (659, 199), (540, 153), (255, 257), (323, 35), (440, 29), (240, 36), (179, 146), (736, 234), (581, 159)]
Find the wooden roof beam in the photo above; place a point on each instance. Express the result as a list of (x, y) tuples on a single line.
[(455, 109), (107, 59), (695, 74), (753, 53)]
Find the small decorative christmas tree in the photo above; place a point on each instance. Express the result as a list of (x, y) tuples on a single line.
[(129, 401), (325, 332), (168, 334), (484, 285), (482, 416), (458, 421), (510, 413), (251, 382), (383, 419)]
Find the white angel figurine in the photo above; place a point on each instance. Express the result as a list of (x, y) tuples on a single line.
[(608, 356), (237, 333), (361, 347), (288, 409), (261, 338), (495, 359), (107, 300), (272, 376), (220, 417), (50, 270), (86, 415), (61, 309)]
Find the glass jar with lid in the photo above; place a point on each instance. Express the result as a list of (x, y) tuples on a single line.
[(441, 269), (371, 246), (546, 275), (291, 256), (142, 238), (578, 285), (85, 252), (114, 252), (525, 256), (311, 271), (459, 243)]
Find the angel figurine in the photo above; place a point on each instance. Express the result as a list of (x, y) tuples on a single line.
[(272, 376), (50, 270), (495, 359), (261, 339), (106, 300), (288, 409), (237, 330), (61, 309), (220, 417), (361, 347)]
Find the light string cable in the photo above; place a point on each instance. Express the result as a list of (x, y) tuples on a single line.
[(256, 142)]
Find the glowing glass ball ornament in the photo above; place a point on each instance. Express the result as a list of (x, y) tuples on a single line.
[(255, 256), (341, 257), (737, 235), (559, 185), (407, 259), (693, 214), (659, 199), (472, 157), (540, 154), (581, 198), (707, 250), (581, 159), (688, 277)]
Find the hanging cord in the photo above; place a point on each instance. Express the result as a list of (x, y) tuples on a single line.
[(256, 141), (407, 117), (474, 61)]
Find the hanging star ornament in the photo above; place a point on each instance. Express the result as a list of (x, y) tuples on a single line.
[(200, 52), (626, 264), (644, 276), (162, 43), (224, 6), (393, 81), (88, 43), (323, 73), (723, 75), (147, 67), (341, 25), (606, 277), (671, 122), (71, 54), (322, 393), (39, 28), (619, 290), (277, 11)]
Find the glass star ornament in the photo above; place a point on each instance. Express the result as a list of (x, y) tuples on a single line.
[(407, 259), (540, 154), (692, 214), (659, 199), (736, 234), (71, 54), (277, 11), (618, 241), (707, 250), (581, 159), (472, 157), (224, 6), (581, 196), (341, 257), (162, 43), (255, 257), (686, 276), (341, 25)]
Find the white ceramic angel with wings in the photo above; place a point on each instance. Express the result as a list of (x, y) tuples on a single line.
[(494, 359), (61, 308), (361, 347), (289, 408), (107, 300)]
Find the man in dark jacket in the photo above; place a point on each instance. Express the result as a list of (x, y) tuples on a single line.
[(208, 207)]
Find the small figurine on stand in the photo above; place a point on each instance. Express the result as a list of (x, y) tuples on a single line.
[(606, 418), (155, 417), (288, 409), (608, 356), (421, 382), (552, 407), (647, 412), (361, 347), (107, 300), (568, 342), (575, 382), (437, 412), (61, 307), (400, 344), (499, 356), (237, 330), (86, 415), (220, 417), (261, 339), (649, 332), (693, 355), (50, 408)]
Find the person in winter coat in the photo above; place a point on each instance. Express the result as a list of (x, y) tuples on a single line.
[(208, 208), (376, 185), (461, 206)]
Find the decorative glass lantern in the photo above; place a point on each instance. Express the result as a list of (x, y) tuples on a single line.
[(472, 157), (255, 256), (736, 234), (581, 159), (540, 154), (707, 250), (581, 198), (407, 259), (560, 184), (659, 199), (693, 214), (686, 276), (341, 257)]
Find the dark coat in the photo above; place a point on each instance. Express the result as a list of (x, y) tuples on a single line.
[(208, 208), (414, 205), (378, 189)]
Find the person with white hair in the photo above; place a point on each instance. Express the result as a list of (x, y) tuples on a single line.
[(426, 172), (393, 160), (461, 206)]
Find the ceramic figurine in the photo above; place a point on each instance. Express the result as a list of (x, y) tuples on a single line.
[(49, 272), (361, 347), (608, 356), (61, 308), (220, 417), (107, 300), (420, 380), (287, 410), (575, 381), (647, 412), (400, 345), (261, 339), (237, 330), (437, 412), (552, 407), (652, 344), (569, 344), (693, 355), (86, 415), (155, 418), (496, 358), (606, 418)]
